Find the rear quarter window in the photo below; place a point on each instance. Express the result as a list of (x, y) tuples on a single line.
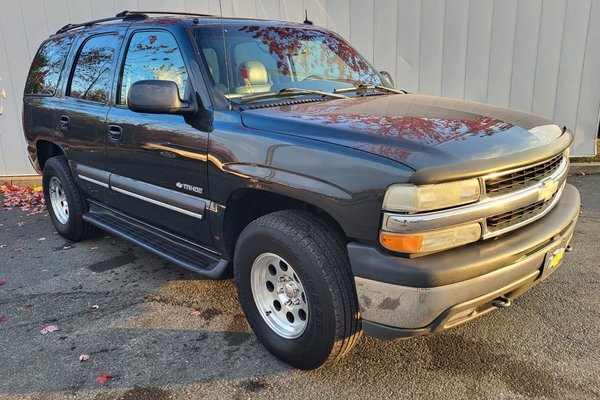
[(47, 65)]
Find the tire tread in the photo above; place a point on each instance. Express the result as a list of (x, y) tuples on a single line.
[(328, 248)]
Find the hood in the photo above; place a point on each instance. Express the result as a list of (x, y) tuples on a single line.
[(416, 130)]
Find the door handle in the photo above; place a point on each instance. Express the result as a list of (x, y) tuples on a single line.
[(64, 122), (115, 133)]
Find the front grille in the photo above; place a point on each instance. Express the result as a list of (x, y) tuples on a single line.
[(523, 178), (516, 216)]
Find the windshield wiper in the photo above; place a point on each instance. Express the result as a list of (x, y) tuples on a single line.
[(364, 88), (289, 92)]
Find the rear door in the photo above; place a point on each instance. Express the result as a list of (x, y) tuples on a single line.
[(81, 121), (42, 97), (158, 161)]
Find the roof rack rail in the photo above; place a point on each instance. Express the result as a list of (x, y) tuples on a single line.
[(128, 15)]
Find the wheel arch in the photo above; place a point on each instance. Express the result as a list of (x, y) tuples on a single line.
[(245, 205), (46, 149)]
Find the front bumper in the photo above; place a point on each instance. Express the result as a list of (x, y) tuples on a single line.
[(402, 297)]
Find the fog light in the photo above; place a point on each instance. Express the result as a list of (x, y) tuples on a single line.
[(436, 240)]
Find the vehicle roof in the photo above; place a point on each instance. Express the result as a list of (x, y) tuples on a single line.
[(141, 19)]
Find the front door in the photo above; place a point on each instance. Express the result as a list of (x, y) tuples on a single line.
[(158, 161)]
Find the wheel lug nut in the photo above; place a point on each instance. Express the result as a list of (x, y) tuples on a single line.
[(288, 303), (296, 302)]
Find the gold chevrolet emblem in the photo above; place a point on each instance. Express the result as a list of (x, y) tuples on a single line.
[(547, 190)]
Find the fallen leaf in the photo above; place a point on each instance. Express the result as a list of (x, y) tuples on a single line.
[(48, 329), (2, 319), (102, 379), (28, 305), (20, 223), (84, 357), (24, 197), (95, 306), (196, 313), (2, 282)]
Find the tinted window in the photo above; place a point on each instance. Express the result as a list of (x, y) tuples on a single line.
[(153, 55), (46, 66), (91, 77)]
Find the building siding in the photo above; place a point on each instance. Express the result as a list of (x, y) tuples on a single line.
[(541, 56)]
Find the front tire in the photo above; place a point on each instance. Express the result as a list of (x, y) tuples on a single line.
[(296, 287), (65, 203)]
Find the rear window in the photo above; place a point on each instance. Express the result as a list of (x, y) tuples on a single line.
[(47, 65), (91, 78)]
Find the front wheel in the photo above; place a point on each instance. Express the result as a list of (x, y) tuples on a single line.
[(295, 285)]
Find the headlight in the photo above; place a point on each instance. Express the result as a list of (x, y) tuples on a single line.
[(411, 198), (425, 242)]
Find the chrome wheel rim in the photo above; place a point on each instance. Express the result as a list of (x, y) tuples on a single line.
[(279, 295), (58, 199)]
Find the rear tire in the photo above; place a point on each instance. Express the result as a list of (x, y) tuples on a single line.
[(65, 202), (306, 263)]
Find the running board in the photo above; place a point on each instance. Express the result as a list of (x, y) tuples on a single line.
[(170, 247)]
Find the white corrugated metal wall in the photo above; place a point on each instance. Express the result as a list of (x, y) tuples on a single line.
[(541, 56)]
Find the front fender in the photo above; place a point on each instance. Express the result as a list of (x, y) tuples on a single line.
[(346, 183)]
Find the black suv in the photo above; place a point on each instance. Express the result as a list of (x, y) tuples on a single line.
[(273, 152)]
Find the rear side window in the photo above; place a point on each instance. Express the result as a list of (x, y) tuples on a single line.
[(156, 56), (47, 65), (91, 76)]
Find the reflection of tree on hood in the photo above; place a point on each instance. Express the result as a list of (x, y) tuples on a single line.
[(430, 131)]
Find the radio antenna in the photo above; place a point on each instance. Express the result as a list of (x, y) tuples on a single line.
[(306, 20), (225, 55)]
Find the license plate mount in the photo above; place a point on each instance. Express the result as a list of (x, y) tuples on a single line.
[(553, 259)]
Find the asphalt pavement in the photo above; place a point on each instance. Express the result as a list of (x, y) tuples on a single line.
[(162, 333)]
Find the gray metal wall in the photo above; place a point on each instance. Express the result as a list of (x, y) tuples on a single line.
[(541, 56)]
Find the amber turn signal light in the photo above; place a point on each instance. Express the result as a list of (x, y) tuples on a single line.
[(403, 243), (428, 241)]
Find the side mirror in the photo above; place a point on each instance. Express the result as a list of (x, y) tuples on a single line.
[(388, 76), (157, 97)]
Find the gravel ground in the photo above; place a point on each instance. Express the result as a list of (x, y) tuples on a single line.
[(131, 313)]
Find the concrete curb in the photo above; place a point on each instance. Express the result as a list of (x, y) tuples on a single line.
[(29, 180), (588, 168)]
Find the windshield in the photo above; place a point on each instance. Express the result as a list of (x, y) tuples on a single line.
[(264, 59)]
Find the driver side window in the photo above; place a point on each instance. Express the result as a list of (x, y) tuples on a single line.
[(155, 56)]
